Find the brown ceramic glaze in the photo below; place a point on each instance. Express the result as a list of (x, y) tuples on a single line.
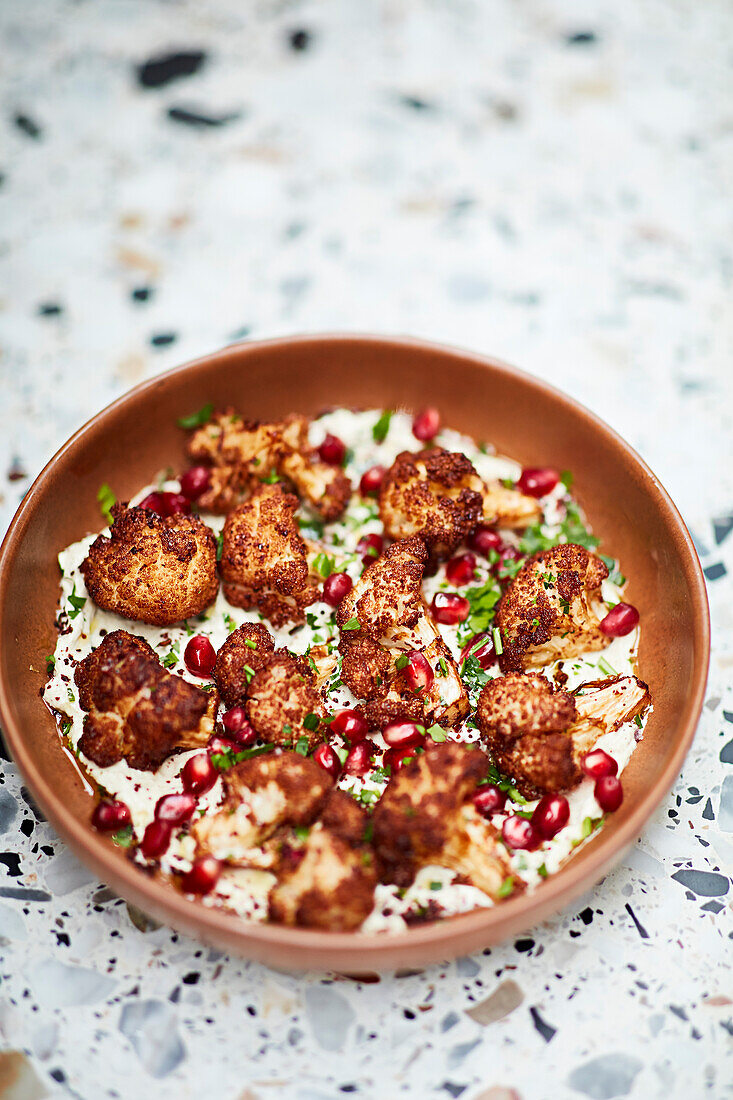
[(129, 442)]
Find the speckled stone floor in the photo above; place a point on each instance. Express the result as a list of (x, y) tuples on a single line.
[(546, 181)]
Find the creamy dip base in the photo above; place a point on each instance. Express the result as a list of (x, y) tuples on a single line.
[(82, 626)]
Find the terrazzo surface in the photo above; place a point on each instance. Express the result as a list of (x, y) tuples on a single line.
[(542, 181)]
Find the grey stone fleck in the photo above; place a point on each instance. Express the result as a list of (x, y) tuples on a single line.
[(45, 1039), (656, 1023), (467, 967), (12, 925), (152, 1029), (57, 985), (141, 920), (725, 809), (606, 1077), (726, 753), (459, 1053), (449, 1021), (8, 810), (707, 884), (505, 999), (330, 1016), (65, 874)]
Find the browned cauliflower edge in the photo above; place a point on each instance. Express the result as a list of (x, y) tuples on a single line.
[(283, 703), (547, 612), (246, 650), (332, 886), (136, 710), (152, 569), (264, 561)]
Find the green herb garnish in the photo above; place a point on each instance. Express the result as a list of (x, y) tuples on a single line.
[(506, 888), (352, 624), (301, 745), (224, 760), (311, 721), (123, 837), (50, 664), (77, 602), (323, 565), (402, 661), (436, 733), (197, 419), (105, 499), (380, 429)]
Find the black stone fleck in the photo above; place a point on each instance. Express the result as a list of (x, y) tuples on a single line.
[(191, 978), (712, 906), (28, 126), (586, 915), (524, 944), (453, 1089), (58, 1075), (639, 926), (162, 339), (161, 70), (27, 826), (728, 715), (678, 1011), (706, 884), (708, 813), (199, 120), (581, 38), (12, 862), (50, 309), (299, 40), (546, 1030), (415, 103), (722, 527), (62, 939), (142, 293), (716, 571)]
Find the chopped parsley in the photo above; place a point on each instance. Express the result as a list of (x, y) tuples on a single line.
[(566, 479), (436, 733), (301, 745), (105, 499), (436, 885), (272, 478), (77, 602), (311, 721), (367, 797), (380, 429), (219, 545), (542, 871), (637, 719), (171, 658), (50, 664), (615, 575), (230, 624), (314, 527), (123, 838), (302, 832), (442, 667), (572, 529), (483, 600), (352, 624), (224, 760), (473, 676), (402, 661), (323, 565), (368, 831), (197, 419), (70, 695), (506, 888)]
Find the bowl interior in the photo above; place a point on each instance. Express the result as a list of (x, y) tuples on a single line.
[(130, 442)]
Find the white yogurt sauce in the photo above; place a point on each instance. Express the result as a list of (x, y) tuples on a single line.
[(244, 891)]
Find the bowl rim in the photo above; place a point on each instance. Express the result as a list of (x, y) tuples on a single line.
[(522, 912)]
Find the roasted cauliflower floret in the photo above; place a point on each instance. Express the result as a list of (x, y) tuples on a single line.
[(393, 619), (243, 453), (136, 710), (332, 887), (245, 651), (539, 734), (152, 569), (264, 559), (434, 494), (325, 487), (388, 593), (425, 817), (505, 507), (283, 703), (548, 612), (260, 796)]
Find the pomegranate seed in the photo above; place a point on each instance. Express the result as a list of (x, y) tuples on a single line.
[(156, 838), (537, 481), (461, 570), (417, 672), (609, 793), (195, 481), (480, 647), (327, 759), (551, 814), (351, 724), (110, 815), (620, 621), (198, 774), (402, 735), (358, 762), (203, 876), (371, 481), (332, 450), (395, 759), (336, 587), (519, 832), (369, 547), (449, 608), (426, 425), (489, 800), (598, 764), (484, 539), (236, 725), (200, 656), (218, 744), (166, 504), (174, 809)]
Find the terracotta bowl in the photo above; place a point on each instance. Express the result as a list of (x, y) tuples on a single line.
[(130, 441)]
